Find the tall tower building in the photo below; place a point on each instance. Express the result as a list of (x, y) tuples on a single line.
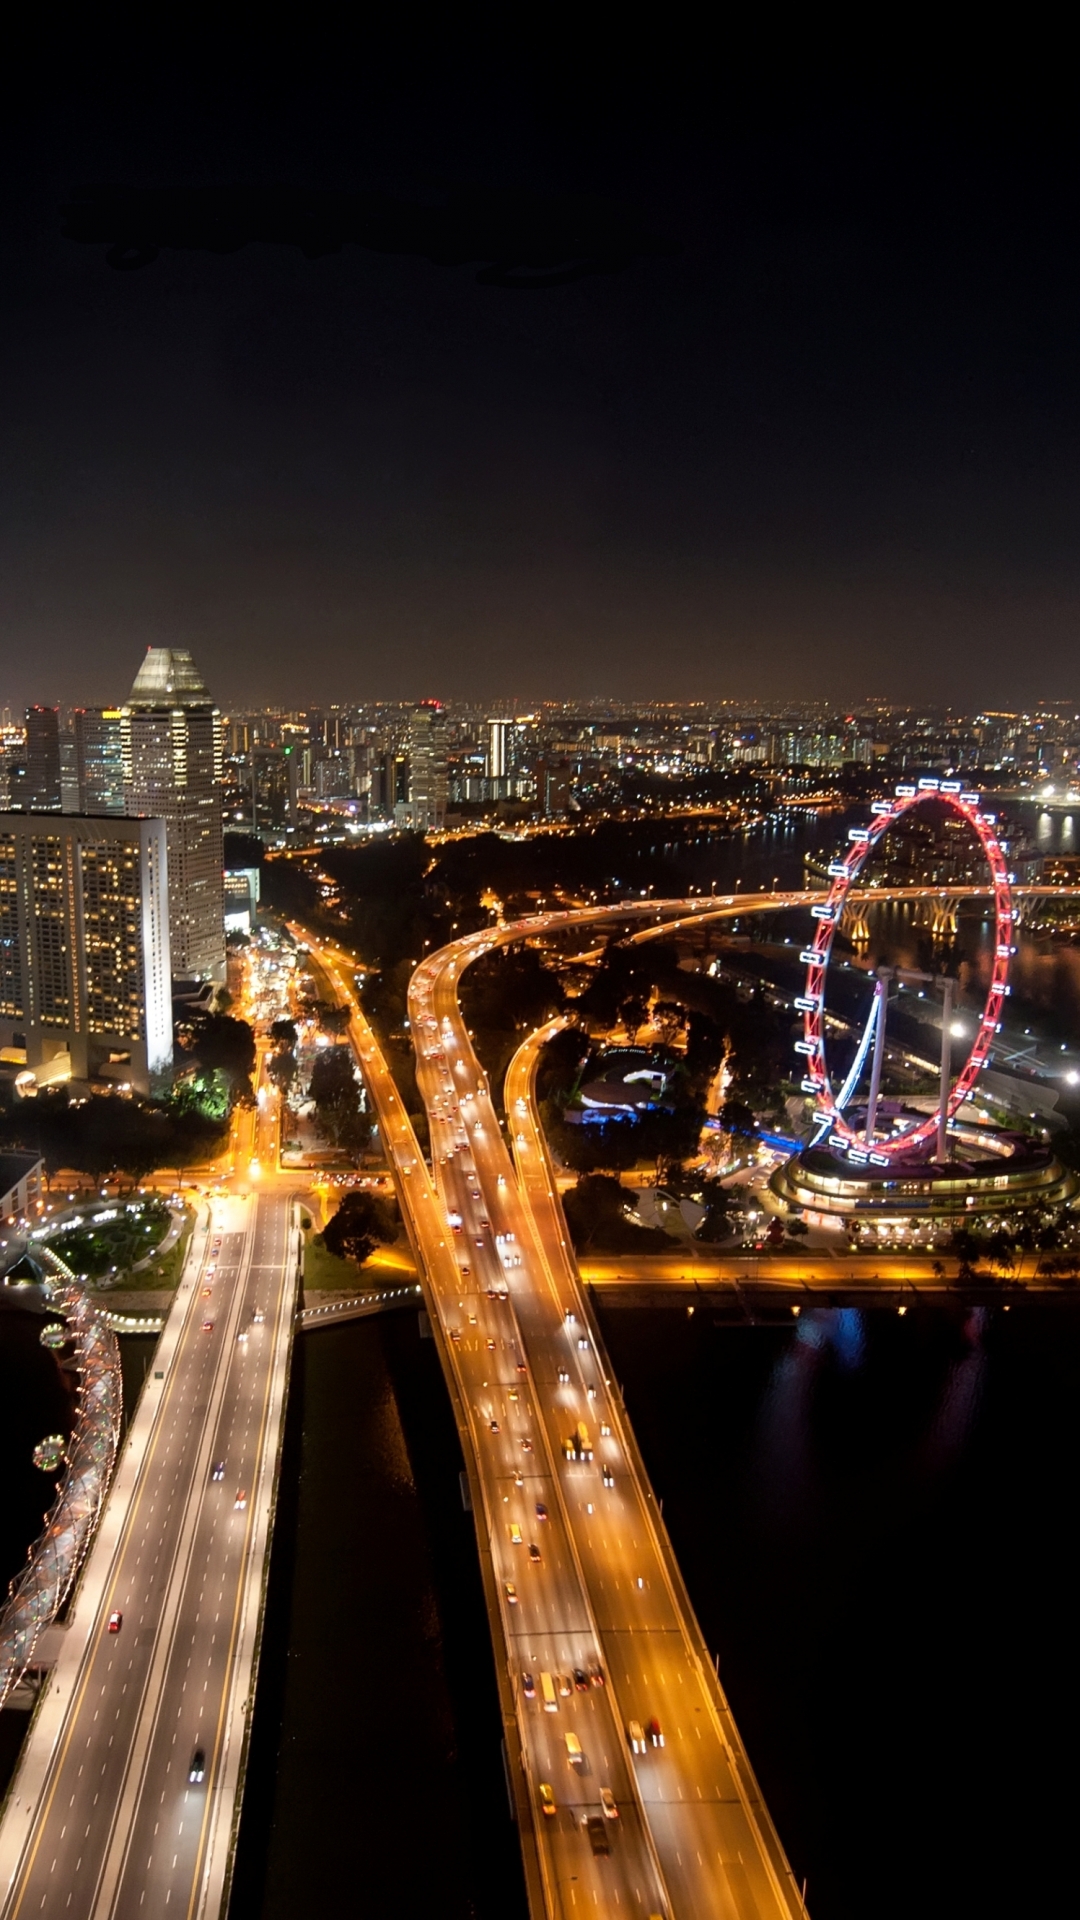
[(498, 755), (99, 759), (427, 764), (41, 782), (85, 979), (172, 751)]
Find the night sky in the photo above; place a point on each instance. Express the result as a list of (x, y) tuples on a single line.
[(685, 370)]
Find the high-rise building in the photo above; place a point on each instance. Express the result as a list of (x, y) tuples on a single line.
[(173, 766), (427, 764), (85, 977), (99, 759), (498, 753), (40, 788)]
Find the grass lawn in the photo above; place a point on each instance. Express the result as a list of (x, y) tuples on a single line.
[(96, 1250), (330, 1274)]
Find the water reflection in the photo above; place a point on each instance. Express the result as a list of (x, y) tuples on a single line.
[(961, 1397)]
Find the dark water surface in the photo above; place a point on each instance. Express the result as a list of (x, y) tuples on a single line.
[(876, 1518), (376, 1780)]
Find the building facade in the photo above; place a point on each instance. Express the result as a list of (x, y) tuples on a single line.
[(427, 765), (99, 759), (85, 976), (173, 766)]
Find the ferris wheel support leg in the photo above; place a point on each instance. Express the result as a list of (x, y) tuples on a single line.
[(882, 994), (946, 1072)]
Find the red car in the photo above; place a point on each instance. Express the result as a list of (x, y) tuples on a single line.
[(116, 1621), (208, 1326)]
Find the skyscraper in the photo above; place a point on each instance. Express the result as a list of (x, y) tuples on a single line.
[(498, 753), (171, 739), (427, 764), (40, 791), (99, 759), (85, 979)]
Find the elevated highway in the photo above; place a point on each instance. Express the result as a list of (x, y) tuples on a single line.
[(103, 1821)]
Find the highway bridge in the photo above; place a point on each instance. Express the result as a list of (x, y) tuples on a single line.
[(602, 1590), (103, 1820), (600, 1597)]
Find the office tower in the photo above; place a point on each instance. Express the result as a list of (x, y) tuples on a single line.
[(40, 787), (99, 759), (554, 783), (427, 764), (85, 979), (172, 747), (498, 753)]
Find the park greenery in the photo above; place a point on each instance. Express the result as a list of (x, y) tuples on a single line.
[(601, 1217), (106, 1247), (361, 1222), (336, 1092), (114, 1137)]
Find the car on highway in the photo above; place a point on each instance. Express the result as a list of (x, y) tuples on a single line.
[(493, 1426), (116, 1621), (528, 1686), (635, 1733), (581, 1680), (197, 1769), (597, 1832), (541, 1510), (208, 1326), (607, 1801), (607, 1476), (258, 1316), (219, 1470), (455, 1333), (655, 1732), (582, 1342), (564, 1376), (526, 1446), (241, 1500), (535, 1555), (547, 1798), (511, 1592), (596, 1676), (491, 1346), (242, 1334), (206, 1292), (515, 1534), (574, 1755)]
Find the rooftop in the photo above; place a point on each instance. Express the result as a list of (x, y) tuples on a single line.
[(168, 674)]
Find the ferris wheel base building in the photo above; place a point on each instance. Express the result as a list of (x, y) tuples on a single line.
[(990, 1174)]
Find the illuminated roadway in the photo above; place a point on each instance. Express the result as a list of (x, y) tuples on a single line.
[(692, 1838), (102, 1819)]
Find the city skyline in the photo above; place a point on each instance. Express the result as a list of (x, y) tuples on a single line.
[(800, 405)]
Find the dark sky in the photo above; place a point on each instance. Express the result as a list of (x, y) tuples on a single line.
[(800, 412)]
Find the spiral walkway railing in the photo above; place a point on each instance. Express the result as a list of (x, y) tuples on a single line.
[(36, 1595)]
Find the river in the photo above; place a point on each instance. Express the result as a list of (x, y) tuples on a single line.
[(872, 1514)]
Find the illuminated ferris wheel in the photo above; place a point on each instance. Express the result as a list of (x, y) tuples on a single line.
[(866, 1144)]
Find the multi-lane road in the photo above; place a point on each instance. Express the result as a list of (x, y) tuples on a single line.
[(580, 1580), (104, 1818)]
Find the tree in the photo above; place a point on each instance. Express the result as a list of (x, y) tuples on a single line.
[(330, 1020), (736, 1118), (362, 1222), (599, 1214), (336, 1093), (219, 1041)]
